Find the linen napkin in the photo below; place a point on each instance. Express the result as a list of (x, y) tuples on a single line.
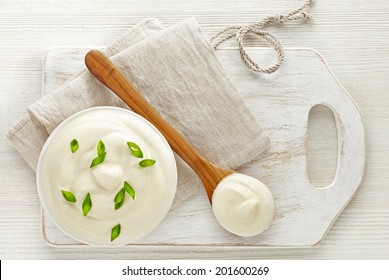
[(178, 72)]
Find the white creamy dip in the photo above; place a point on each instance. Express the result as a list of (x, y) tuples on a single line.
[(60, 169), (243, 205)]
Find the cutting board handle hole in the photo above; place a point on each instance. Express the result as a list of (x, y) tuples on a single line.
[(322, 146)]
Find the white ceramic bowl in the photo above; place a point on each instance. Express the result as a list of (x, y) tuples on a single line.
[(61, 169)]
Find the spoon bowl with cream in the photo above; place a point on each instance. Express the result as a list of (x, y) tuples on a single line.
[(242, 205)]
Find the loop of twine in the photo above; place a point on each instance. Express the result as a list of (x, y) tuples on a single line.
[(239, 31)]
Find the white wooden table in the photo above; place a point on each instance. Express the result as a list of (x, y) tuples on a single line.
[(352, 35)]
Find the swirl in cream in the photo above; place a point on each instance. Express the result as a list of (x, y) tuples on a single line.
[(59, 169), (243, 205)]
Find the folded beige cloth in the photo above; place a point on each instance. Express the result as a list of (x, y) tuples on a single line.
[(178, 72)]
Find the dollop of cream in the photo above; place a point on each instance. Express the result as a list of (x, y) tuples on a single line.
[(243, 205), (59, 168), (108, 176)]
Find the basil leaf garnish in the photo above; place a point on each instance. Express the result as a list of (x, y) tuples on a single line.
[(100, 148), (97, 160), (115, 232), (74, 145), (146, 163), (130, 190), (119, 198), (69, 196), (86, 204), (135, 150)]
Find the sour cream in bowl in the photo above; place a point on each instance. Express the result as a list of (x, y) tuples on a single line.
[(106, 176)]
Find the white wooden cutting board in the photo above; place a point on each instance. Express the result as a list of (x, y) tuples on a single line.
[(281, 103)]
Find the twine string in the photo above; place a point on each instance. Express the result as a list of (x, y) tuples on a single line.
[(239, 31)]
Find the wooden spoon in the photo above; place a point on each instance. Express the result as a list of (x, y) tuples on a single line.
[(107, 73)]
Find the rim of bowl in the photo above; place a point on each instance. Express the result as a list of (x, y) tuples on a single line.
[(54, 133)]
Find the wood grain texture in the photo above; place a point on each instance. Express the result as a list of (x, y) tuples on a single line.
[(281, 103), (352, 35)]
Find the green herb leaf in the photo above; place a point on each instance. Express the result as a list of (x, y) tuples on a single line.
[(69, 196), (135, 150), (119, 198), (86, 204), (130, 190), (100, 148), (115, 232), (146, 163), (74, 145), (97, 160)]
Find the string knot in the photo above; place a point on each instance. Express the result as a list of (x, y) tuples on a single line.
[(305, 16), (256, 28), (277, 18)]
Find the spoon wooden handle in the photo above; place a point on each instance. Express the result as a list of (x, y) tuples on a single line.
[(107, 73)]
